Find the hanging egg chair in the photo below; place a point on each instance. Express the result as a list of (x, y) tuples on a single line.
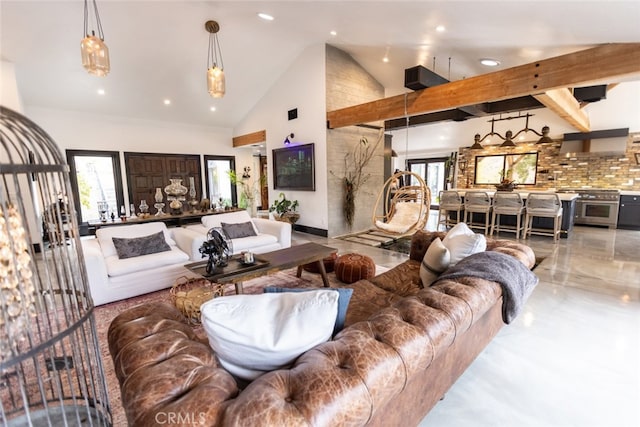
[(404, 200)]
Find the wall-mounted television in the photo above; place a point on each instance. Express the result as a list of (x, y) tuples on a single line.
[(294, 168)]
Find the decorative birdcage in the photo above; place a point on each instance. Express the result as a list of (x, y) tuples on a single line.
[(50, 367), (218, 247)]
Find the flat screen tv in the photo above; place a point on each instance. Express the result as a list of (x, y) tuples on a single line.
[(293, 168)]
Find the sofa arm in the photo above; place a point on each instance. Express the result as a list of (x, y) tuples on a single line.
[(189, 242), (282, 230), (96, 267)]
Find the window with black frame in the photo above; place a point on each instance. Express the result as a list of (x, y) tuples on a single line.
[(96, 181), (492, 169)]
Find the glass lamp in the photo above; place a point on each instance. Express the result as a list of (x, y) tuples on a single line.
[(95, 53), (215, 67)]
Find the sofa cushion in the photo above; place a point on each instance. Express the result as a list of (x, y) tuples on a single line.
[(462, 242), (435, 261), (255, 334), (119, 267), (253, 242), (137, 246), (106, 234), (210, 221), (344, 295), (238, 230)]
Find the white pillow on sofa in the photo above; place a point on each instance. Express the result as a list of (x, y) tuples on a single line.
[(462, 242), (255, 334), (435, 261)]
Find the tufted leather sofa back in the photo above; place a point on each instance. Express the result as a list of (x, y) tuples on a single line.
[(420, 342)]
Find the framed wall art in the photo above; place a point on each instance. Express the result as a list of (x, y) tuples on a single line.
[(294, 168)]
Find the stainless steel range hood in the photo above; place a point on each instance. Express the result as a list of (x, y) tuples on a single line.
[(601, 142)]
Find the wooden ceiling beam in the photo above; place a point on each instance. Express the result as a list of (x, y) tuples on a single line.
[(563, 103), (250, 138), (590, 66)]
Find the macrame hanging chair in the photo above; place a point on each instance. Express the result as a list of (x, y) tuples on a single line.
[(405, 205)]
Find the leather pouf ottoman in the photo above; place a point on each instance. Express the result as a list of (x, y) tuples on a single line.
[(353, 267), (329, 264)]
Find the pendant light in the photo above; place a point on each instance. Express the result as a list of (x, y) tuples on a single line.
[(215, 68), (95, 53)]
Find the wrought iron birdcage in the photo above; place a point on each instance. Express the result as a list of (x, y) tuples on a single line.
[(50, 367)]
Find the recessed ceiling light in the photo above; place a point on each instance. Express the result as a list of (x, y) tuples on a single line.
[(440, 28), (385, 59), (101, 92), (333, 33), (265, 16), (212, 108), (167, 102), (489, 62)]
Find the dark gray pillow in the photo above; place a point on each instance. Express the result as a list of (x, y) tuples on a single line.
[(146, 245), (236, 231)]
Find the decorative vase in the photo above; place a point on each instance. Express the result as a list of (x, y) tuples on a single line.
[(159, 197), (175, 195), (144, 207)]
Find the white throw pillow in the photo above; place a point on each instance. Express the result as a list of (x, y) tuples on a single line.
[(435, 261), (255, 334), (462, 242)]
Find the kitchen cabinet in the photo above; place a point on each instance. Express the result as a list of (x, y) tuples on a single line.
[(629, 212)]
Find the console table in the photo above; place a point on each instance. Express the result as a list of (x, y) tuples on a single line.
[(170, 220)]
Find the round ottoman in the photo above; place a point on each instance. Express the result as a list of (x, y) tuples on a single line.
[(353, 267), (329, 264)]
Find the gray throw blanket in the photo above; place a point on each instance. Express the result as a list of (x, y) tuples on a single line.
[(516, 279)]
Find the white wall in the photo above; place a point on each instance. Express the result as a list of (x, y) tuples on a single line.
[(80, 131), (301, 86), (621, 109)]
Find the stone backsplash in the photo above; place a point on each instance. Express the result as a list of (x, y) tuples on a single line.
[(558, 171)]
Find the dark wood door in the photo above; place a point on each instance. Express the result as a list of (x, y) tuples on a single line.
[(146, 172), (264, 188)]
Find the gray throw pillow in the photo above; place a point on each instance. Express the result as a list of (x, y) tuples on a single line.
[(236, 231), (146, 245)]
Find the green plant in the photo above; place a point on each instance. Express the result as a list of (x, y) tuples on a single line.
[(283, 205)]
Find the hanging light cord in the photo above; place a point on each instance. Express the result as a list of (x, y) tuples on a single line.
[(406, 140), (98, 22), (214, 51)]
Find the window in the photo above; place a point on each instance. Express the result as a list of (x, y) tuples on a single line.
[(521, 168), (434, 173), (95, 177), (218, 180)]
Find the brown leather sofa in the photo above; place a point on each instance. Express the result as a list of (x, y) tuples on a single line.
[(402, 348)]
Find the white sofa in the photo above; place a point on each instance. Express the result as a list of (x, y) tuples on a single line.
[(113, 279), (270, 235)]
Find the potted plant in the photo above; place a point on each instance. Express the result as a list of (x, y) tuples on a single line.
[(285, 209), (506, 184)]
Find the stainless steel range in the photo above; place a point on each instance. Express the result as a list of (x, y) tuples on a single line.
[(596, 207)]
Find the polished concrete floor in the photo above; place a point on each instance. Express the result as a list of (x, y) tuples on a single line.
[(572, 357)]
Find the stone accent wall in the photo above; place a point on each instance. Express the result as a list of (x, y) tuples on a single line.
[(349, 84), (558, 171)]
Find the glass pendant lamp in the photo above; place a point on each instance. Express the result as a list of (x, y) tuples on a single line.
[(215, 67), (95, 53)]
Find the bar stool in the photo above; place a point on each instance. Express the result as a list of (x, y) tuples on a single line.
[(545, 205), (507, 203), (477, 202), (450, 201)]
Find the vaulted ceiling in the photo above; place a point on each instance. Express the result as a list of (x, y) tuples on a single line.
[(158, 48)]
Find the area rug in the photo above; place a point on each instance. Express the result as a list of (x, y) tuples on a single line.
[(104, 314)]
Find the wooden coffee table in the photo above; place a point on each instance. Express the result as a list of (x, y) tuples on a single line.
[(268, 263)]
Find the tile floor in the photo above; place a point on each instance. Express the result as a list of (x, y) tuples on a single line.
[(572, 358)]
